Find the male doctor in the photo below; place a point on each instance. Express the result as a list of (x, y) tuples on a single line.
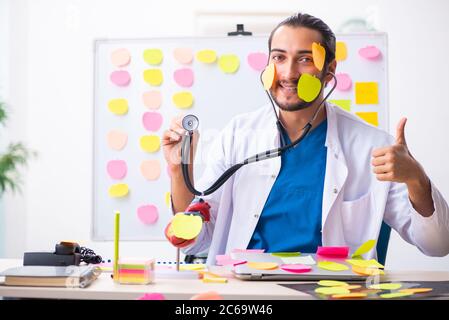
[(333, 189)]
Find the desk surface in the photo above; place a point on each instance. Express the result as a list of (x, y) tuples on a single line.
[(181, 288)]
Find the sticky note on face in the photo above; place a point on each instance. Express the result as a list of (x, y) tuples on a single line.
[(341, 51), (229, 63), (370, 53), (364, 248), (366, 93), (262, 265), (152, 121), (344, 104), (206, 56), (152, 99), (118, 106), (120, 78), (150, 169), (309, 87), (183, 55), (153, 77), (183, 77), (183, 100), (117, 169), (268, 76), (332, 266), (148, 214), (120, 57), (153, 56), (117, 139), (257, 60), (186, 226), (370, 117), (118, 190), (150, 143), (319, 55)]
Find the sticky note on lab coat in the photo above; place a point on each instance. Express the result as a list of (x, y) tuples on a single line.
[(148, 214), (118, 190), (118, 106), (370, 117), (153, 77), (117, 169), (117, 139), (153, 56), (150, 143), (341, 51), (366, 93), (150, 169), (152, 99), (344, 104), (186, 226), (183, 100), (229, 63), (183, 55), (206, 56)]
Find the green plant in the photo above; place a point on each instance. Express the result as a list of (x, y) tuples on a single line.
[(16, 155)]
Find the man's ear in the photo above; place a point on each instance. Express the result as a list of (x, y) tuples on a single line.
[(330, 68)]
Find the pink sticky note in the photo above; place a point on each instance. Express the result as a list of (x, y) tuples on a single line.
[(152, 296), (152, 121), (370, 52), (230, 262), (344, 81), (296, 268), (249, 250), (120, 78), (183, 77), (120, 57), (148, 214), (335, 252), (117, 139), (152, 99), (117, 169), (257, 60)]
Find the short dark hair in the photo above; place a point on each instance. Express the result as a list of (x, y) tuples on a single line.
[(307, 21)]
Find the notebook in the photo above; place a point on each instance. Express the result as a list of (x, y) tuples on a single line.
[(49, 276), (244, 272)]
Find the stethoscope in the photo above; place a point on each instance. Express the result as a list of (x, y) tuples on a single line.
[(190, 124)]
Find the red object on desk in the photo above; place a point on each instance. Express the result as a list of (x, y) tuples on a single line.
[(333, 252)]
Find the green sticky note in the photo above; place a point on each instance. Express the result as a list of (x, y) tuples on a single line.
[(385, 286), (286, 254), (364, 248), (344, 104)]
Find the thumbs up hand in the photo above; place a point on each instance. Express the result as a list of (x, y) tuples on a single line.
[(395, 163)]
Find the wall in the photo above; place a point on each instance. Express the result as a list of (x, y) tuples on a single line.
[(51, 91)]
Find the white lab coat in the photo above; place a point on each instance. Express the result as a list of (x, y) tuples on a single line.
[(354, 202)]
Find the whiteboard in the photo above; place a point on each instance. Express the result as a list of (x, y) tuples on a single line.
[(218, 96)]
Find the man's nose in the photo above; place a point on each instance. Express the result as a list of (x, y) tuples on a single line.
[(290, 71)]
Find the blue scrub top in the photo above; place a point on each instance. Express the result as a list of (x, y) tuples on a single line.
[(291, 218)]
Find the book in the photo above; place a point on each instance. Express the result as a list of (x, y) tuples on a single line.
[(49, 276)]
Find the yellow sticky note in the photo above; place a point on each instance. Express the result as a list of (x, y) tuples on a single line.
[(153, 77), (206, 56), (341, 52), (366, 271), (319, 55), (118, 106), (366, 93), (344, 104), (332, 290), (263, 265), (229, 63), (385, 286), (118, 190), (192, 266), (186, 226), (207, 279), (286, 254), (352, 295), (167, 198), (365, 263), (364, 248), (268, 76), (415, 290), (395, 295), (332, 266), (153, 56), (332, 283), (183, 100), (370, 117), (150, 143), (308, 87)]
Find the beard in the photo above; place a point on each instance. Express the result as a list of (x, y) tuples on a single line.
[(292, 106)]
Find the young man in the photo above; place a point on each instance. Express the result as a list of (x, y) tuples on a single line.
[(335, 188)]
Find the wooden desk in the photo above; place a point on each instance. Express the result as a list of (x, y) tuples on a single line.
[(105, 288)]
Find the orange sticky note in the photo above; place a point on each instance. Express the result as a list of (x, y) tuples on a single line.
[(366, 93), (319, 55), (370, 117), (341, 52)]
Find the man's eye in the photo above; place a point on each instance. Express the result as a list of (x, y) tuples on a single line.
[(305, 59), (276, 58)]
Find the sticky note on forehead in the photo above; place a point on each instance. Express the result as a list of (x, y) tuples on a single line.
[(319, 55)]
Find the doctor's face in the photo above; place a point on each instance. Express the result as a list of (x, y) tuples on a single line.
[(291, 52)]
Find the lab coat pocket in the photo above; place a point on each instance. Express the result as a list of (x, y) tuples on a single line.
[(356, 218)]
